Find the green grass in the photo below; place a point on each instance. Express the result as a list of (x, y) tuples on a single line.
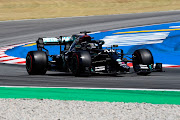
[(99, 95)]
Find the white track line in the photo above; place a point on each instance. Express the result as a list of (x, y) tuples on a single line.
[(139, 89)]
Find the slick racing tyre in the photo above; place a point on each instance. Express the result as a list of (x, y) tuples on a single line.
[(81, 63), (36, 63), (143, 57), (75, 65)]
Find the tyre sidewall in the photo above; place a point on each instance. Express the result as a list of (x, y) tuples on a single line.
[(144, 57), (83, 63), (36, 62)]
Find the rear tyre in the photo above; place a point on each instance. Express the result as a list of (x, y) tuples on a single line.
[(143, 57), (36, 63), (81, 63), (75, 65)]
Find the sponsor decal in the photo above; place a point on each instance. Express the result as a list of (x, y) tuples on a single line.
[(66, 39), (99, 68), (50, 40)]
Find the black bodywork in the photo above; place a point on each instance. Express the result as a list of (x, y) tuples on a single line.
[(83, 56)]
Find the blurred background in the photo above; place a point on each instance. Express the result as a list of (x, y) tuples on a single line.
[(35, 9)]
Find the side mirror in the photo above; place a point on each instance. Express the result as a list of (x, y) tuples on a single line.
[(40, 43)]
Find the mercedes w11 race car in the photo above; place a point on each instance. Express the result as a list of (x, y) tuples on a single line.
[(81, 55)]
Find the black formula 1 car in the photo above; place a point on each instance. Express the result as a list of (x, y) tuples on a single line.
[(81, 55)]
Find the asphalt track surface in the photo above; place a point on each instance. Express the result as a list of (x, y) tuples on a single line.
[(13, 32)]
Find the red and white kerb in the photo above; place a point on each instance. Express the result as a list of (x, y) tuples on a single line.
[(11, 59), (22, 61)]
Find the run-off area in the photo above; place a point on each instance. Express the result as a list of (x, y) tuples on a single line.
[(163, 40)]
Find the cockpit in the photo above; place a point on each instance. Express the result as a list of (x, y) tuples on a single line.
[(86, 43)]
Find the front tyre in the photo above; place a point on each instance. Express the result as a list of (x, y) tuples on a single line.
[(143, 61), (36, 63)]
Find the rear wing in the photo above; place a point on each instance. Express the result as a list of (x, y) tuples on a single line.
[(62, 40), (54, 41)]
